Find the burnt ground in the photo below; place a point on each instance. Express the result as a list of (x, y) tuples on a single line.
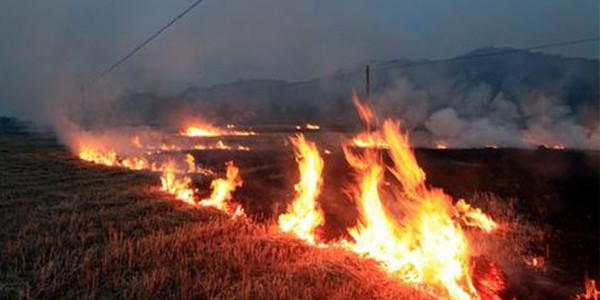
[(556, 190)]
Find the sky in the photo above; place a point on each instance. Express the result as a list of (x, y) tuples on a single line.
[(49, 48)]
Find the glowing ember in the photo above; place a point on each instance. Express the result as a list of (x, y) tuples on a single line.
[(222, 189), (303, 215)]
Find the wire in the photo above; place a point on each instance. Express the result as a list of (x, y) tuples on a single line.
[(143, 44)]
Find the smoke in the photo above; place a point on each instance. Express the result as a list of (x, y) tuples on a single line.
[(478, 117), (50, 49)]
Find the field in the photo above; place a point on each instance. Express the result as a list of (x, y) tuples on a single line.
[(74, 230)]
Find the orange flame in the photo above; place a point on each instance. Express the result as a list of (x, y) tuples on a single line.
[(208, 130), (441, 145), (202, 130), (108, 158), (591, 291), (474, 217), (222, 189), (303, 215), (410, 246), (369, 140), (179, 186)]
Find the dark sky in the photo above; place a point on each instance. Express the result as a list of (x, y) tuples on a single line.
[(48, 48)]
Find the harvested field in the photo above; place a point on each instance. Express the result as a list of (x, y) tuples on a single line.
[(76, 230), (73, 230)]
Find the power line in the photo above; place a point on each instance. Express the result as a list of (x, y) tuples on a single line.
[(143, 44)]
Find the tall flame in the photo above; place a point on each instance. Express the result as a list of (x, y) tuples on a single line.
[(422, 244), (304, 215)]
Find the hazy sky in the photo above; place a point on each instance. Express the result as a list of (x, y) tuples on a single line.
[(48, 48)]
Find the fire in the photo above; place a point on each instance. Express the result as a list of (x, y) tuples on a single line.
[(313, 127), (591, 291), (372, 140), (364, 112), (304, 215), (202, 130), (222, 188), (220, 145), (208, 130), (408, 243), (474, 217), (179, 186), (108, 158), (441, 145)]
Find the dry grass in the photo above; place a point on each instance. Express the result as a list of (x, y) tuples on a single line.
[(71, 230)]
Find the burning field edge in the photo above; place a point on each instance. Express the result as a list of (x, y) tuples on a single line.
[(115, 235), (73, 230)]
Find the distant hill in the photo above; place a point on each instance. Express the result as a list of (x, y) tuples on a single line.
[(513, 91)]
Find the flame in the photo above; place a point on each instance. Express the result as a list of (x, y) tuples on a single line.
[(222, 189), (474, 217), (220, 145), (208, 130), (369, 140), (591, 291), (191, 163), (202, 130), (175, 172), (108, 158), (136, 141), (136, 163), (179, 186), (409, 246), (313, 127), (303, 215), (441, 145), (364, 112)]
